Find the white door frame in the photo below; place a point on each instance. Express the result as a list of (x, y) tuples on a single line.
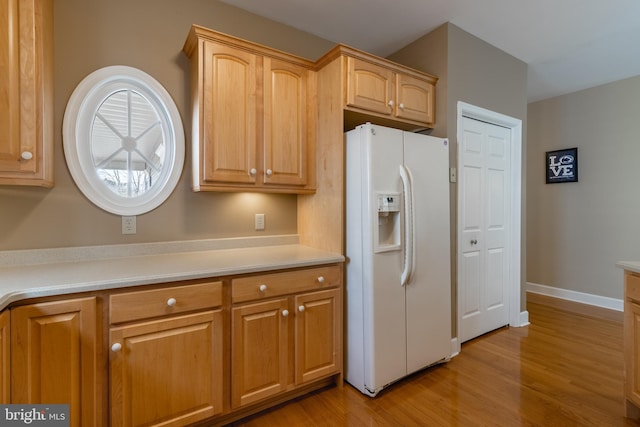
[(516, 318)]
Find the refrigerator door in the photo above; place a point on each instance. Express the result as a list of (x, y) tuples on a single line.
[(376, 347), (428, 293), (384, 304)]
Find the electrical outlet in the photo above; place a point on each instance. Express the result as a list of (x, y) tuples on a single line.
[(128, 225), (259, 222)]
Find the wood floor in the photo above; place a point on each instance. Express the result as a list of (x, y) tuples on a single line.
[(565, 369)]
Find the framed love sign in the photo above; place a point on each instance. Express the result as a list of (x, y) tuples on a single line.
[(562, 165)]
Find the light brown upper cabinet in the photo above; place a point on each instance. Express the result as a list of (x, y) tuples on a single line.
[(253, 113), (383, 88), (381, 91), (26, 85)]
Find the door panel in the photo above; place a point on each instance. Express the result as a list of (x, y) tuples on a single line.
[(54, 356), (179, 358), (230, 113), (428, 293), (285, 124), (259, 351), (484, 211), (317, 348)]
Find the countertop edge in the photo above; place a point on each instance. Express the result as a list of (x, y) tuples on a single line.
[(23, 282), (629, 265)]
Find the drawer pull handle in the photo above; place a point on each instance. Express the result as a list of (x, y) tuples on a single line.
[(285, 313), (321, 279), (171, 302), (301, 308), (263, 288), (116, 347)]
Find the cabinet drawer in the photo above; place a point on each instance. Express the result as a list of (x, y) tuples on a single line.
[(632, 287), (275, 284), (159, 302)]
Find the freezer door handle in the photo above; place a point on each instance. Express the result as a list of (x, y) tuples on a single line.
[(407, 188)]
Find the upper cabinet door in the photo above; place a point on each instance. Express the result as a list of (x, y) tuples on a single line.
[(230, 82), (415, 99), (286, 117), (26, 85), (369, 86)]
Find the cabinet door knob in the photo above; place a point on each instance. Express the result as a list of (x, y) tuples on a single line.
[(116, 347), (321, 279), (269, 172), (171, 302), (26, 155), (391, 103), (253, 171), (301, 308), (401, 106), (285, 313), (263, 288)]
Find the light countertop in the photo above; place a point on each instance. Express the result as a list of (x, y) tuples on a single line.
[(39, 273), (629, 265)]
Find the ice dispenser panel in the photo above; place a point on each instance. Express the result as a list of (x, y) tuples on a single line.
[(388, 230)]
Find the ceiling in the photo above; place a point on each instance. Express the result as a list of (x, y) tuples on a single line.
[(568, 45)]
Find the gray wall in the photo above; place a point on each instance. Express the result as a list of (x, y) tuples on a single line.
[(475, 72), (577, 231), (147, 34)]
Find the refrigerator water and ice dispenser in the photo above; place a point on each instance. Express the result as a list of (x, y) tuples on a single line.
[(388, 236)]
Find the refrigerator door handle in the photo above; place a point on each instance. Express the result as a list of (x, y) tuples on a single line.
[(407, 186)]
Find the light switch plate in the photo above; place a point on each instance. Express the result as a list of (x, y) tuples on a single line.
[(259, 222)]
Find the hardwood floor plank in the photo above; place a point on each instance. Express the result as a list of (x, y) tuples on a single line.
[(564, 369)]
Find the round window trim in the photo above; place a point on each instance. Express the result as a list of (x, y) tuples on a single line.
[(78, 123)]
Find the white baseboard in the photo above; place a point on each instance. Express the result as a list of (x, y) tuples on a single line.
[(455, 347), (575, 296), (524, 319)]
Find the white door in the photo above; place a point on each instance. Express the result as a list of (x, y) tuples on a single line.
[(483, 231)]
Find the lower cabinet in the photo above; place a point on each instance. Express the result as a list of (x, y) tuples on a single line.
[(260, 351), (5, 357), (55, 353), (166, 371), (318, 337), (632, 345), (179, 353), (285, 341)]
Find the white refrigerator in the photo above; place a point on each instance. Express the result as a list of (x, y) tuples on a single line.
[(398, 280)]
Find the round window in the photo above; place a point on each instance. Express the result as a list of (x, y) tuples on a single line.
[(123, 140)]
